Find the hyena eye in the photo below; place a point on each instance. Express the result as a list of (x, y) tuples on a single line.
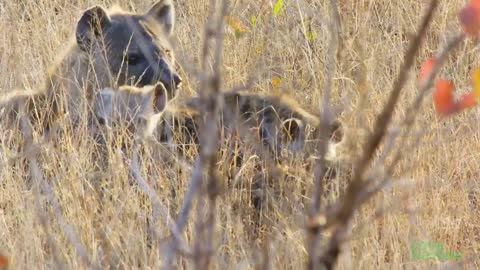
[(134, 58)]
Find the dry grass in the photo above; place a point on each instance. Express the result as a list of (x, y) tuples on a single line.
[(434, 192)]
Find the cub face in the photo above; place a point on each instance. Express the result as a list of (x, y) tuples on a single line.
[(131, 107)]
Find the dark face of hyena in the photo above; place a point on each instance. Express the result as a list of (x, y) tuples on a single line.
[(135, 46)]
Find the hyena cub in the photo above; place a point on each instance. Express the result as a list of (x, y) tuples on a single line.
[(277, 121), (131, 108), (110, 48), (278, 130), (125, 114), (147, 113)]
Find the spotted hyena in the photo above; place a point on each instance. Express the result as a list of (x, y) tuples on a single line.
[(111, 48), (275, 127), (145, 112), (284, 132), (279, 123), (130, 108)]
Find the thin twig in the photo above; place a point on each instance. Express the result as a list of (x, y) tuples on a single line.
[(412, 111), (182, 218), (313, 229), (206, 162), (211, 98)]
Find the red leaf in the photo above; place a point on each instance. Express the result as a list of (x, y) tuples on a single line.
[(443, 97), (469, 17), (426, 71)]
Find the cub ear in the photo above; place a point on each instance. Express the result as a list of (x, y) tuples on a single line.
[(160, 98), (90, 26), (163, 12)]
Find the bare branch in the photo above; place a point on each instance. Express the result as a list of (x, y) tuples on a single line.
[(313, 229)]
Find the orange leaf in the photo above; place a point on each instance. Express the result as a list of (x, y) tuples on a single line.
[(467, 101), (476, 82), (276, 82), (237, 25), (3, 261), (426, 71), (443, 97), (469, 17)]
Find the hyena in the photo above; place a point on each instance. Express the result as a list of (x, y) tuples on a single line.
[(146, 113), (111, 48), (277, 121), (283, 131), (125, 114), (130, 107)]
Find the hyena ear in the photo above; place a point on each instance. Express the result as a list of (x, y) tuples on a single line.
[(90, 26), (163, 11), (160, 98)]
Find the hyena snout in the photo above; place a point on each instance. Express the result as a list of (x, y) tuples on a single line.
[(169, 77)]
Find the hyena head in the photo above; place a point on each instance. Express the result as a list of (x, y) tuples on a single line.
[(298, 131), (134, 48), (335, 139), (136, 108)]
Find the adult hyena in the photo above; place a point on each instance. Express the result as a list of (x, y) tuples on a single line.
[(111, 48)]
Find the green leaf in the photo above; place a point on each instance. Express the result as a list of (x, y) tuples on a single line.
[(253, 20), (278, 8), (311, 36), (239, 33)]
